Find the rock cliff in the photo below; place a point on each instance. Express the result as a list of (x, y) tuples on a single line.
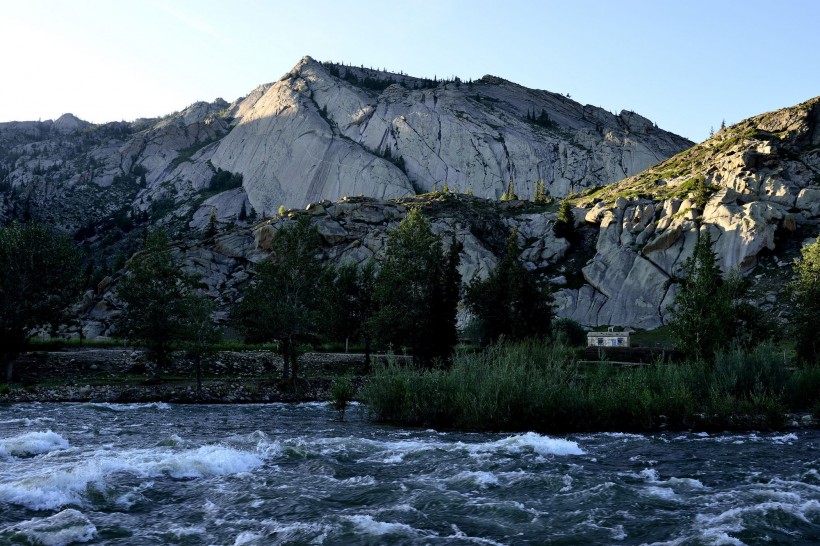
[(755, 187), (323, 131)]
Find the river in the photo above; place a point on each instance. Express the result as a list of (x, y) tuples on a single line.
[(153, 474)]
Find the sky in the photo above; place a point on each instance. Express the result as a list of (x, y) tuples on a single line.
[(687, 65)]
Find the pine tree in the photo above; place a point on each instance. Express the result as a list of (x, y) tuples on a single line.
[(211, 230), (285, 301), (156, 294), (410, 294), (510, 302), (805, 293), (243, 213), (39, 279)]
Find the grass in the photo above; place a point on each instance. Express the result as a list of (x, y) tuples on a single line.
[(659, 337), (539, 386)]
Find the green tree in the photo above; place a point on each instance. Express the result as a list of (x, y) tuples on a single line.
[(285, 300), (40, 277), (540, 196), (409, 293), (352, 304), (510, 302), (510, 194), (710, 313), (805, 293), (156, 294), (198, 331), (565, 223), (211, 229)]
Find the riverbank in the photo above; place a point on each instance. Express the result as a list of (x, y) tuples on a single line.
[(118, 375)]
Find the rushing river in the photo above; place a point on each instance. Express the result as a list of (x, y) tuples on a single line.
[(290, 474)]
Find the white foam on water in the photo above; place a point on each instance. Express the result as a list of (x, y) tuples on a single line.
[(359, 481), (366, 524), (784, 439), (481, 478), (33, 443), (27, 422), (129, 407), (461, 535), (246, 537), (66, 527), (732, 520), (664, 493), (67, 484), (542, 445), (205, 461)]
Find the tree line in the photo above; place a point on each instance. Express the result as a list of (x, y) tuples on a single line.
[(407, 302)]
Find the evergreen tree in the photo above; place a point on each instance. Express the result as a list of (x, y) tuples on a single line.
[(710, 313), (510, 194), (510, 302), (39, 279), (540, 197), (243, 213), (198, 331), (352, 304), (565, 222), (285, 300), (211, 230), (157, 295), (805, 293), (408, 291)]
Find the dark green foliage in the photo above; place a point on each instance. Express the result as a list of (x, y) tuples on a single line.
[(352, 304), (211, 229), (542, 120), (805, 293), (565, 223), (159, 301), (700, 192), (243, 213), (198, 331), (414, 288), (540, 386), (569, 332), (510, 302), (709, 314), (40, 277), (540, 196), (510, 194), (341, 394), (285, 301), (224, 180)]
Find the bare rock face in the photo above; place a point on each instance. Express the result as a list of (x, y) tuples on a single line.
[(762, 189), (329, 131)]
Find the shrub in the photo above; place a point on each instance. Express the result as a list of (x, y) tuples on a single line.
[(224, 180), (341, 394)]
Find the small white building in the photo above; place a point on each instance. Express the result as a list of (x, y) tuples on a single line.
[(608, 339)]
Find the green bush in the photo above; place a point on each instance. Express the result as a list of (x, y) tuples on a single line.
[(537, 385), (341, 394)]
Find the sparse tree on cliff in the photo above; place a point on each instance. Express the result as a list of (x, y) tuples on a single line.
[(39, 279)]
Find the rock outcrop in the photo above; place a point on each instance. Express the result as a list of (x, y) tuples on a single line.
[(754, 187), (325, 131)]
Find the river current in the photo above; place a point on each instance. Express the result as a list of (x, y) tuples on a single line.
[(149, 474)]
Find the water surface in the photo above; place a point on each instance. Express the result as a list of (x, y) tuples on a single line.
[(289, 474)]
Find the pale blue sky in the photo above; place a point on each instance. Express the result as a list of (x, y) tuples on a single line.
[(684, 64)]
